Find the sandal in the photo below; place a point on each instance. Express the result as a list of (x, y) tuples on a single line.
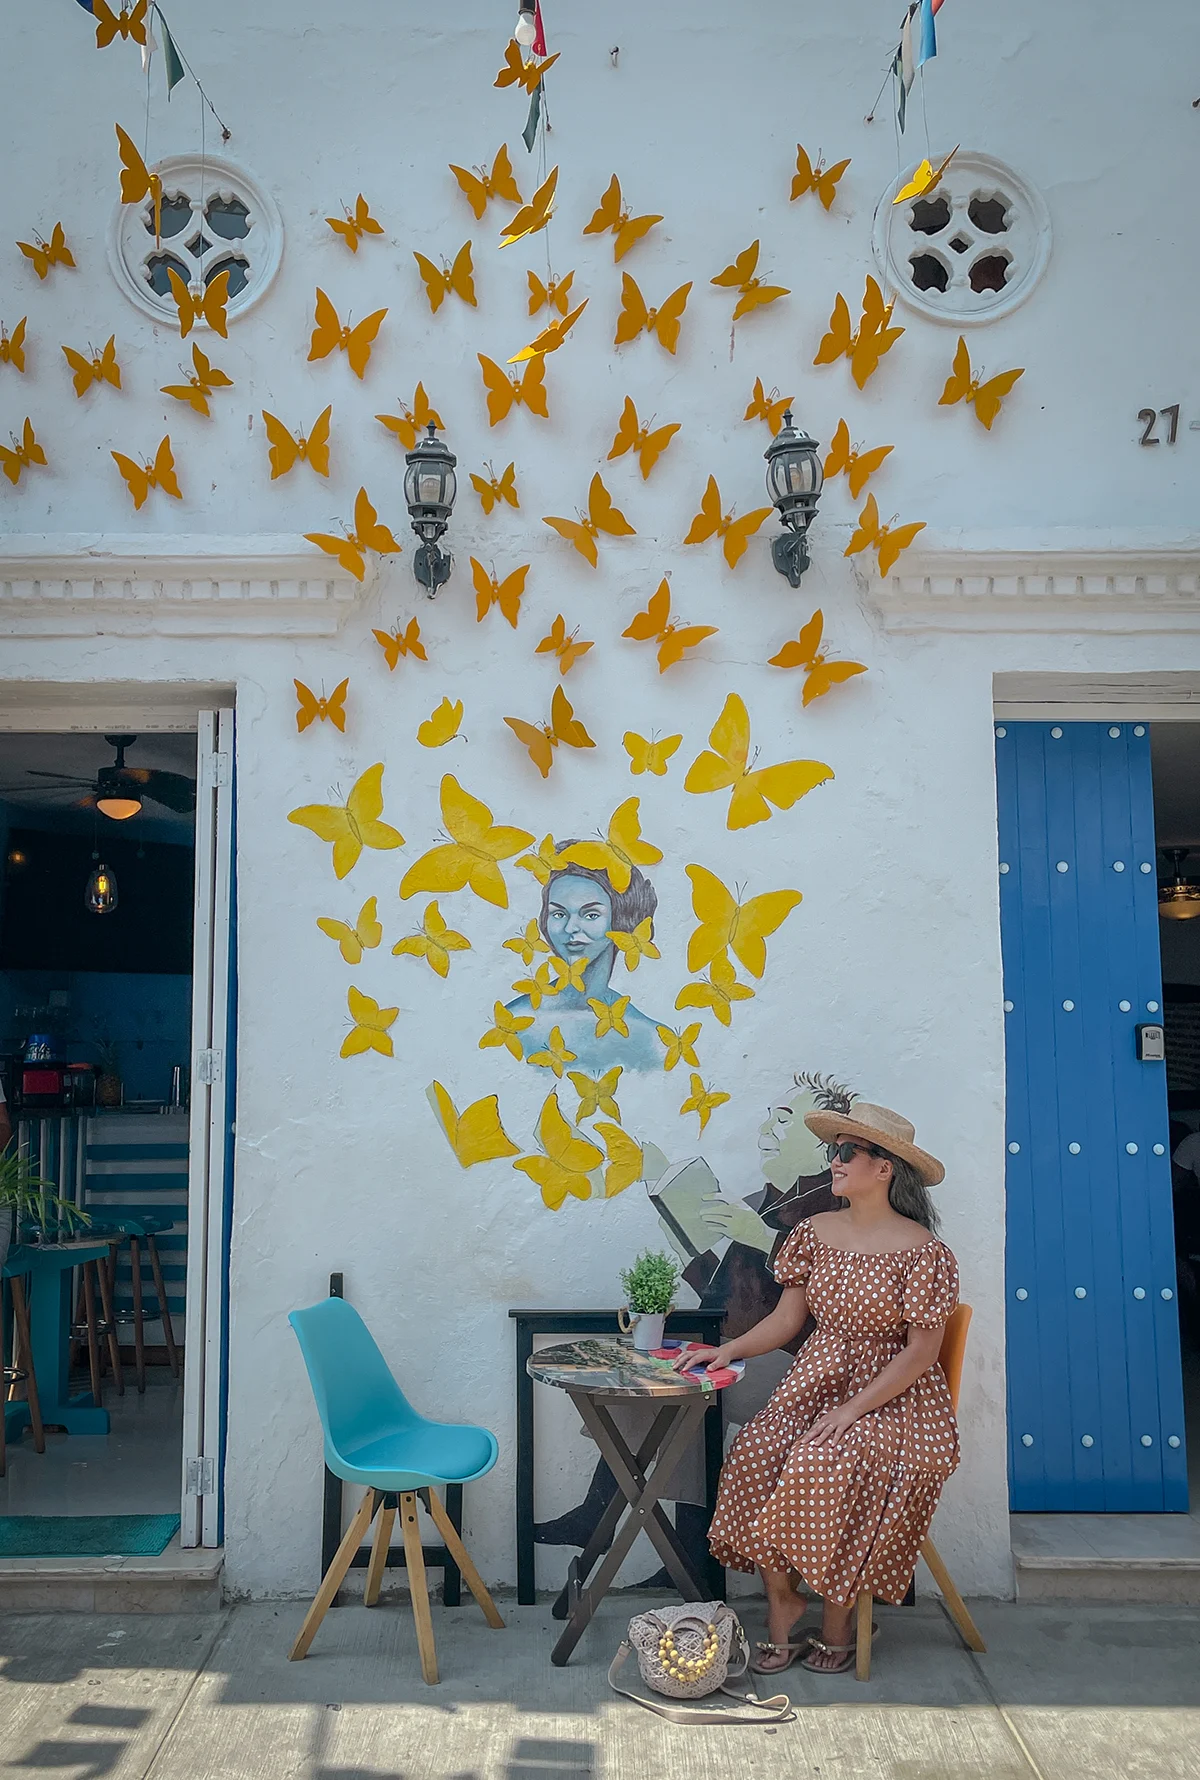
[(789, 1651), (848, 1654)]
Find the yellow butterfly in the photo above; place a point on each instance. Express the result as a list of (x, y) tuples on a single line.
[(543, 863), (859, 466), (596, 1094), (195, 305), (45, 254), (717, 991), (626, 1160), (370, 1030), (986, 398), (536, 987), (350, 549), (620, 851), (820, 179), (554, 294), (680, 1045), (925, 179), (401, 642), (889, 540), (542, 739), (527, 390), (551, 336), (285, 452), (518, 72), (556, 1056), (457, 277), (602, 516), (200, 383), (740, 276), (649, 757), (632, 436), (534, 216), (727, 923), (365, 934), (329, 335), (820, 675), (612, 215), (25, 451), (490, 591), (141, 478), (702, 1100), (654, 626), (770, 408), (309, 707), (559, 644), (567, 1160), (12, 346), (137, 181), (470, 859), (636, 945), (711, 522), (435, 942), (130, 25), (496, 488), (568, 976), (354, 225), (663, 322), (753, 790), (865, 345), (411, 423), (353, 825), (610, 1016), (528, 944), (480, 186), (442, 724), (475, 1134), (505, 1031), (102, 367)]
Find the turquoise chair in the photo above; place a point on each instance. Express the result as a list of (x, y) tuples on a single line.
[(374, 1437)]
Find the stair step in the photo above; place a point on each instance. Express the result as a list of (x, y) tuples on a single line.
[(175, 1582)]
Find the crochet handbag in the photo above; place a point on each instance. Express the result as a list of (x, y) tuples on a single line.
[(689, 1652)]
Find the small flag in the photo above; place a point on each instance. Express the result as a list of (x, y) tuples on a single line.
[(171, 61), (86, 5), (539, 39), (529, 133), (925, 46), (148, 48)]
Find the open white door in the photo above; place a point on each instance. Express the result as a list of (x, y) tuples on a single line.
[(210, 1135)]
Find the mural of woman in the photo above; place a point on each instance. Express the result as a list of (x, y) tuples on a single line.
[(580, 909)]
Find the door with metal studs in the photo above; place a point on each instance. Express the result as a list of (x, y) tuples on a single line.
[(1095, 1401)]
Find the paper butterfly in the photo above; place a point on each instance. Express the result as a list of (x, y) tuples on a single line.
[(820, 179), (528, 391), (610, 1016), (489, 592), (528, 944), (434, 942), (681, 1046), (401, 642), (727, 924), (365, 934), (556, 1056), (612, 215), (505, 1031), (702, 1100), (542, 739), (820, 675), (663, 322), (285, 452), (470, 859), (441, 725), (45, 254), (533, 216), (602, 516), (925, 179), (889, 540), (649, 757), (621, 849), (130, 25), (637, 944), (141, 478), (859, 466), (631, 435), (457, 277), (770, 408), (330, 710), (350, 550), (986, 398), (717, 991), (478, 187), (542, 864), (554, 294), (137, 181), (102, 367), (411, 423), (329, 335), (740, 276), (710, 522), (353, 825), (596, 1093), (518, 72), (475, 1134), (200, 383), (354, 226), (654, 626), (194, 306), (551, 337), (753, 790), (562, 645), (496, 488), (25, 451), (567, 1161), (864, 346), (370, 1030), (12, 346)]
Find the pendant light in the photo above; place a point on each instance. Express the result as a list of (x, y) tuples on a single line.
[(1178, 897), (100, 896)]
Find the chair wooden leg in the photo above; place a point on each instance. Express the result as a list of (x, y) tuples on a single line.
[(862, 1635), (335, 1575), (164, 1311), (24, 1345), (379, 1555), (3, 1390), (458, 1552), (93, 1337), (114, 1346), (955, 1605), (139, 1326), (414, 1559)]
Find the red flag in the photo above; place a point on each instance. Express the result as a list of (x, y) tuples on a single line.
[(539, 41)]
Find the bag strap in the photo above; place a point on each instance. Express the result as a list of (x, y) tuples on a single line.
[(777, 1710)]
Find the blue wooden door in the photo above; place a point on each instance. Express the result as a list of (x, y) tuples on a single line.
[(1095, 1401)]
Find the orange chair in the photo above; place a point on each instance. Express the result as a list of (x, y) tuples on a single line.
[(950, 1359)]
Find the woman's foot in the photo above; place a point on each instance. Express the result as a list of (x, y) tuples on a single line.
[(837, 1625), (785, 1610)]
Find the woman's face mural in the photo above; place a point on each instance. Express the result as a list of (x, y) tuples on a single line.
[(578, 919)]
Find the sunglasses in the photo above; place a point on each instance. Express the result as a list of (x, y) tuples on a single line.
[(846, 1152)]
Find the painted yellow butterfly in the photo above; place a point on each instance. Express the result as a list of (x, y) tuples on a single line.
[(475, 1134), (636, 945), (770, 408), (506, 1029), (859, 466), (865, 345), (753, 789), (649, 444), (717, 991), (602, 516), (329, 335), (442, 724), (101, 367), (889, 540), (470, 859), (596, 1094), (25, 451), (680, 1046), (45, 254), (654, 626), (534, 216), (649, 757), (926, 179), (625, 1162), (729, 924), (434, 942), (558, 643), (711, 522), (129, 24), (196, 305), (820, 179), (285, 451), (551, 336), (350, 549), (137, 181), (612, 216), (542, 864), (610, 1016), (742, 277), (541, 739), (201, 382), (330, 710), (621, 849), (518, 72), (556, 1056), (702, 1100), (528, 944), (490, 591), (365, 934), (987, 399), (355, 224), (820, 675), (411, 423), (353, 825), (554, 294), (496, 488), (480, 186), (536, 987), (141, 478), (567, 1160), (396, 643), (456, 276), (527, 390), (12, 346), (370, 1031), (568, 975), (663, 322)]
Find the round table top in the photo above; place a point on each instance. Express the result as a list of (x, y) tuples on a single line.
[(610, 1366)]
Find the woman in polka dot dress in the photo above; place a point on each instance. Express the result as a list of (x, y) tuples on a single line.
[(837, 1478)]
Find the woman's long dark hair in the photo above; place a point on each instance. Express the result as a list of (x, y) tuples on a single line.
[(629, 907), (908, 1193)]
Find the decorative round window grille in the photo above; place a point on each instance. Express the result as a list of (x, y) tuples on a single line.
[(970, 250), (214, 219)]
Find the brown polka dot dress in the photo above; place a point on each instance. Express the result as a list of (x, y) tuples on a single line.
[(850, 1516)]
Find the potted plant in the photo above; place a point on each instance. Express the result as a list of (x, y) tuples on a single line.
[(27, 1199), (108, 1087), (649, 1287)]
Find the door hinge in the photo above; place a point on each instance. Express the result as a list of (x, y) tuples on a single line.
[(201, 1477), (208, 1066), (214, 770)]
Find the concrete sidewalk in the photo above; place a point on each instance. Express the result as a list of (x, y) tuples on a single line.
[(1063, 1693)]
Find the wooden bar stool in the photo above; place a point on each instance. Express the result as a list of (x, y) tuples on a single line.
[(21, 1371), (92, 1328), (138, 1232)]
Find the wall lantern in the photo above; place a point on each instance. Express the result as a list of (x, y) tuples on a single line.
[(100, 896), (794, 479), (430, 486), (1178, 897)]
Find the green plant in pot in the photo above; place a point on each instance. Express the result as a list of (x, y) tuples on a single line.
[(27, 1199), (108, 1087), (649, 1287)]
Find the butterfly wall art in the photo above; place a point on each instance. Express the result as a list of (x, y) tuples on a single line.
[(310, 708), (491, 591), (532, 218), (96, 367), (286, 451), (202, 380), (564, 645), (820, 179), (129, 24), (470, 859), (455, 276), (206, 305), (865, 345), (926, 179), (742, 276), (364, 935), (329, 335), (711, 522), (597, 1094), (516, 71), (621, 849), (12, 346), (44, 254), (137, 181), (476, 1134), (541, 739), (434, 941), (680, 1046), (541, 865), (554, 294), (602, 516), (411, 423), (649, 756), (649, 442), (442, 724), (371, 1029), (355, 225), (492, 489), (717, 992), (352, 825), (524, 390), (140, 478), (985, 397), (612, 216), (352, 547), (655, 625), (820, 674), (397, 642), (636, 318), (858, 466), (770, 408), (479, 186), (25, 452), (703, 1101), (887, 540), (726, 766), (726, 923), (551, 336)]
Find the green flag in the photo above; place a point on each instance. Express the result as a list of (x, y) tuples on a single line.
[(171, 62), (529, 133)]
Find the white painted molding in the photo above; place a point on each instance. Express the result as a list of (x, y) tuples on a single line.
[(82, 586), (1083, 589)]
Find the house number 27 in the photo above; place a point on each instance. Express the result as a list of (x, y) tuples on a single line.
[(1150, 418)]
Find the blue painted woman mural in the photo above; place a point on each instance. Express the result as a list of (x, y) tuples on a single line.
[(580, 908)]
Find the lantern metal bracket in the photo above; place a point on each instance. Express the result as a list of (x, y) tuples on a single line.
[(432, 567), (789, 553)]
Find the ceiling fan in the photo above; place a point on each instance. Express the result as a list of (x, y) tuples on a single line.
[(117, 791)]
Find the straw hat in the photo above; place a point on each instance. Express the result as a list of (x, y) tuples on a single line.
[(882, 1127)]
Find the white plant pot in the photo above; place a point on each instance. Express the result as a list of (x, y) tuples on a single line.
[(648, 1332)]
